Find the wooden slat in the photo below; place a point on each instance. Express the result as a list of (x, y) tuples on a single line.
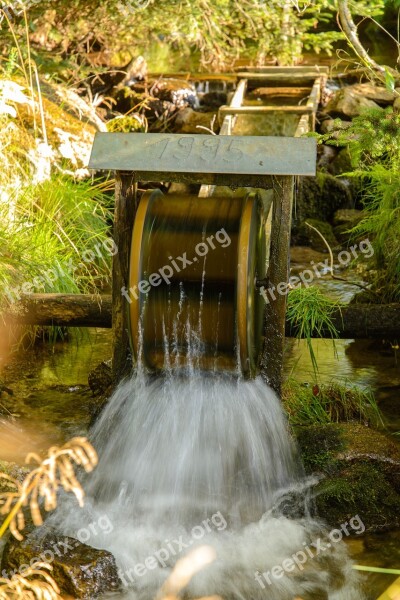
[(167, 157), (260, 110)]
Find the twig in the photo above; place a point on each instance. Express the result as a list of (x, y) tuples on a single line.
[(360, 285)]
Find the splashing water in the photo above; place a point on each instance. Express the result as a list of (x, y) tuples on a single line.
[(206, 460), (190, 459)]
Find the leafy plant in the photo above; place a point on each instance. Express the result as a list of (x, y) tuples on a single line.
[(373, 139), (218, 32), (309, 313)]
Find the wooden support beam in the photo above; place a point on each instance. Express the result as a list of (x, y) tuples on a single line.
[(353, 321), (124, 215), (271, 361)]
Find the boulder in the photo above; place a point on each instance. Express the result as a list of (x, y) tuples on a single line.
[(306, 236), (377, 93), (100, 379), (396, 105), (348, 216), (320, 197), (360, 473), (188, 120), (341, 163), (325, 156), (348, 103), (78, 569), (344, 220)]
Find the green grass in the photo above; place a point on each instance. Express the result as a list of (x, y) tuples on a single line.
[(329, 403), (309, 312), (54, 225)]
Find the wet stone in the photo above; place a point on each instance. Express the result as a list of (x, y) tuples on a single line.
[(78, 569), (360, 473)]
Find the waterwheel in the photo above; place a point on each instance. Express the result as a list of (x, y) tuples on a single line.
[(194, 266)]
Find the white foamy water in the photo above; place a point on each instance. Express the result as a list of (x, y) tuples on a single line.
[(205, 460)]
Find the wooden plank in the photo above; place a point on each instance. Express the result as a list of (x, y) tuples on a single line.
[(319, 70), (260, 110), (314, 100), (303, 125), (281, 91), (158, 157)]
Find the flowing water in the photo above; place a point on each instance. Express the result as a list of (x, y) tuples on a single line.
[(193, 459), (207, 460)]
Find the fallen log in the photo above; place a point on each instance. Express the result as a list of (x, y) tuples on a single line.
[(354, 321), (358, 321), (70, 310)]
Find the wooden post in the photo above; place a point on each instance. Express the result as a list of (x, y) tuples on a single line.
[(275, 311), (124, 216)]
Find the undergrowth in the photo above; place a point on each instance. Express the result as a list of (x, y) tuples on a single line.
[(329, 403), (373, 140)]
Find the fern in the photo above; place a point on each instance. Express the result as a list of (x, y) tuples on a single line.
[(373, 140)]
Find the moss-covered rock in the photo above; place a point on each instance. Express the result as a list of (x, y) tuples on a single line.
[(320, 197), (349, 103), (344, 220), (78, 569), (360, 470), (306, 236)]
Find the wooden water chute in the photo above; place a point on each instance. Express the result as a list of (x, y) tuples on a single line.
[(257, 221)]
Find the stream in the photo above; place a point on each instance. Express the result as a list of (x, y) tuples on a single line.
[(53, 402)]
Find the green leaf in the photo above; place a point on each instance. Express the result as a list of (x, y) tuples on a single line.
[(389, 81)]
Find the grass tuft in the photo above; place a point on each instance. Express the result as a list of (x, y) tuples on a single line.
[(329, 403)]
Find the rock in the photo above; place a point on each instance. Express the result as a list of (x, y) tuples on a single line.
[(213, 100), (378, 93), (100, 379), (320, 197), (301, 256), (360, 470), (309, 237), (78, 569), (348, 103), (341, 163), (325, 156), (102, 385), (12, 470), (348, 216), (188, 120), (344, 220), (178, 92), (396, 105)]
